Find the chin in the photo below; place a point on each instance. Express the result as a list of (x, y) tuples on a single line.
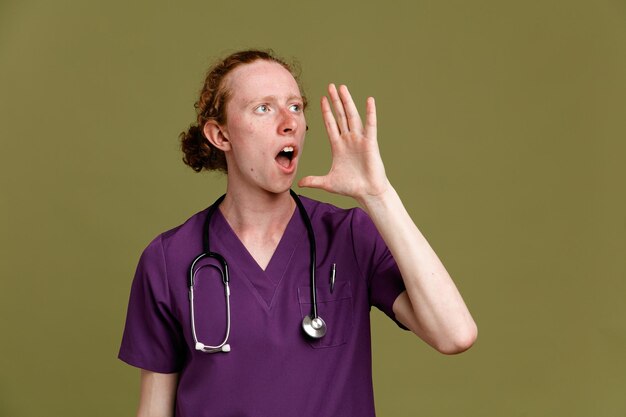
[(280, 187)]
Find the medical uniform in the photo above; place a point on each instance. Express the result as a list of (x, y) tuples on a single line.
[(273, 369)]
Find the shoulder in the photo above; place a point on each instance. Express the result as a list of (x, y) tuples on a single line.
[(329, 213), (354, 218), (182, 238)]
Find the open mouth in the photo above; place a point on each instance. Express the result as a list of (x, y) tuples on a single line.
[(285, 156)]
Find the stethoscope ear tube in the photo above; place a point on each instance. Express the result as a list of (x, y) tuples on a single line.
[(224, 346)]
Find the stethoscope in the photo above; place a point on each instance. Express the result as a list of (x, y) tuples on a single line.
[(313, 325)]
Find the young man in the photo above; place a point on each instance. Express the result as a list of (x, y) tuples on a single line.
[(251, 124)]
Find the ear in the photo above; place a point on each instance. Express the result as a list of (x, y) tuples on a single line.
[(215, 134)]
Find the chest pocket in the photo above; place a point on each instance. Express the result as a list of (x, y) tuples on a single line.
[(334, 308)]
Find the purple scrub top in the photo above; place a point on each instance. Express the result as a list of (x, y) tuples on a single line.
[(273, 369)]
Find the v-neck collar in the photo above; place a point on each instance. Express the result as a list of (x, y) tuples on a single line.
[(263, 283)]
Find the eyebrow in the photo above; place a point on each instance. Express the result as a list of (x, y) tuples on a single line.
[(273, 98)]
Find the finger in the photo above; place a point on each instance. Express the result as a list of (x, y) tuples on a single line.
[(313, 182), (352, 114), (338, 107), (329, 120), (370, 119)]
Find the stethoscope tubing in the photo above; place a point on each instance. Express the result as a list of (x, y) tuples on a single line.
[(313, 325), (312, 251)]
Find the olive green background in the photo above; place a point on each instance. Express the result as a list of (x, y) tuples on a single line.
[(502, 125)]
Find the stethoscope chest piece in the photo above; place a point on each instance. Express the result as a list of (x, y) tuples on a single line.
[(316, 328)]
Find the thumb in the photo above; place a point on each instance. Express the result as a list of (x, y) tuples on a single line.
[(313, 182)]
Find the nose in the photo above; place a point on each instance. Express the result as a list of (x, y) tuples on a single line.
[(288, 122)]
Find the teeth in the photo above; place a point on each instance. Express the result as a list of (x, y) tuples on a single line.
[(288, 149)]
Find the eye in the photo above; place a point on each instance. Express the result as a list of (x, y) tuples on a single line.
[(263, 108), (296, 108)]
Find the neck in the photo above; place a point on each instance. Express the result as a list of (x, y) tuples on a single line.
[(262, 212), (259, 220)]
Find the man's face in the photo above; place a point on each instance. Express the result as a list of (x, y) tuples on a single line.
[(265, 127)]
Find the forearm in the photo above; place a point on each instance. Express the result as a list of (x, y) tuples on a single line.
[(158, 394), (434, 310)]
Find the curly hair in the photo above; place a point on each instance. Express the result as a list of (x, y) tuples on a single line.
[(198, 152)]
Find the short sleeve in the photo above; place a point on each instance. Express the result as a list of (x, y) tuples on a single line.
[(376, 264), (152, 337)]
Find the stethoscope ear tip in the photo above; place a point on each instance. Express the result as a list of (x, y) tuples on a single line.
[(209, 349)]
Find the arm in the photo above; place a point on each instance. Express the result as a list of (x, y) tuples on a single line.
[(158, 394), (431, 306)]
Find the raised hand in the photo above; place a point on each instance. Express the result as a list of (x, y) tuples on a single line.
[(357, 169), (431, 306)]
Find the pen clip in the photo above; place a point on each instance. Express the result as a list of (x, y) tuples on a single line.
[(333, 271)]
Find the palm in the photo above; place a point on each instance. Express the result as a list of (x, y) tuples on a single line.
[(357, 169)]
